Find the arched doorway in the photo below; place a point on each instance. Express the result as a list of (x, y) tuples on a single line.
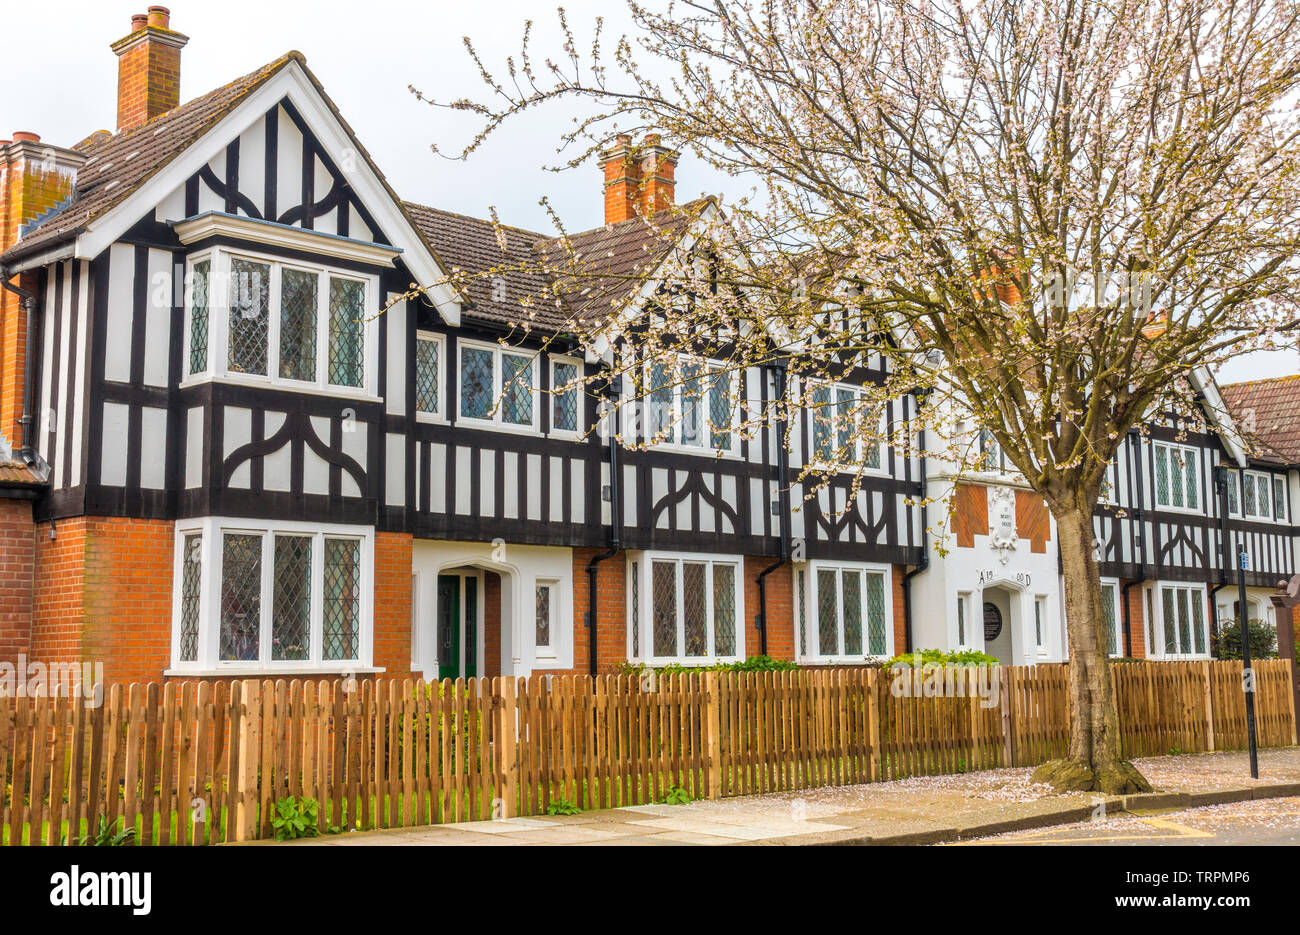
[(1002, 618)]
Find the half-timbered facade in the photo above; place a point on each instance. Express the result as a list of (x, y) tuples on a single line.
[(241, 443)]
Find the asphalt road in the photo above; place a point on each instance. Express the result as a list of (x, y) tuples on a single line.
[(1269, 822)]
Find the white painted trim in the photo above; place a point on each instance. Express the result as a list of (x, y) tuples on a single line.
[(494, 422), (285, 236), (291, 82)]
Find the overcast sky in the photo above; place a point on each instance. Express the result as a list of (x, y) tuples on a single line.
[(366, 53)]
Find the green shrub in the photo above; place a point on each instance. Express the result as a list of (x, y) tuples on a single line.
[(562, 806), (108, 835), (677, 796), (294, 818), (938, 657), (752, 664), (1263, 640)]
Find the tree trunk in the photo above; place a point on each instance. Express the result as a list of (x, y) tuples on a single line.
[(1094, 762)]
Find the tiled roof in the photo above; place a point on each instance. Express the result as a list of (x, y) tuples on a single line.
[(1268, 414), (119, 164), (17, 474)]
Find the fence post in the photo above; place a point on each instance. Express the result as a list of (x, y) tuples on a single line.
[(873, 723), (248, 711), (506, 727), (1004, 691), (1207, 701), (713, 742)]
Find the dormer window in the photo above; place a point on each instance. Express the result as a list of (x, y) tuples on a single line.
[(260, 319)]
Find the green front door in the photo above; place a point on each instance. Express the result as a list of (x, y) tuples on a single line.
[(449, 626)]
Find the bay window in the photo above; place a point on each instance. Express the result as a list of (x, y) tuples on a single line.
[(693, 608), (260, 318), (1177, 476), (497, 385), (849, 613), (257, 595)]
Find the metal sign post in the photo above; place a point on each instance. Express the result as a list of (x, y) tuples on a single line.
[(1247, 676)]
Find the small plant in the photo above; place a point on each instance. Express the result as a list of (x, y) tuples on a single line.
[(562, 806), (108, 835), (677, 796), (294, 818), (1263, 640)]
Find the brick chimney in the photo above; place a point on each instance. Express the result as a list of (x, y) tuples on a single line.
[(639, 180), (148, 68)]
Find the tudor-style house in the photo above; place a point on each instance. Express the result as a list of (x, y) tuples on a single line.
[(236, 443)]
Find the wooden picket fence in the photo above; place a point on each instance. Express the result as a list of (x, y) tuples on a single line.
[(202, 763)]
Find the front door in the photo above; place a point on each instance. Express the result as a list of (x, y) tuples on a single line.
[(457, 623)]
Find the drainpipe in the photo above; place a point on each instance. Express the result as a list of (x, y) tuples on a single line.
[(28, 451), (615, 524), (783, 505), (924, 563)]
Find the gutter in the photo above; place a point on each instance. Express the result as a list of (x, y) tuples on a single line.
[(27, 452), (924, 563), (783, 505), (615, 526)]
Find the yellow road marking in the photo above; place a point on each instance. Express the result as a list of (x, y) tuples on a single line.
[(1044, 837)]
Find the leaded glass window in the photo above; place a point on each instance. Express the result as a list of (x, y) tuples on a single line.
[(695, 623), (200, 290), (249, 316), (852, 619), (476, 382), (1177, 483), (191, 595), (342, 617), (659, 415), (1110, 631), (720, 410), (694, 609), (516, 389), (851, 582), (1279, 499), (1234, 502), (877, 637), (298, 301), (691, 424), (291, 599), (828, 612), (724, 610), (241, 598), (542, 616), (347, 330), (803, 612), (1184, 620), (427, 351), (564, 387), (636, 613), (823, 447), (664, 610)]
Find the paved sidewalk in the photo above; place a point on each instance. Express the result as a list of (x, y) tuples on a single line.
[(922, 810)]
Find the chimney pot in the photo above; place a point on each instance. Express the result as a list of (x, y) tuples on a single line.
[(26, 136), (160, 17), (148, 68), (139, 21)]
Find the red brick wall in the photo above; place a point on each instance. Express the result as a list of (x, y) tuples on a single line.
[(491, 624), (392, 631), (16, 560), (148, 81), (780, 608), (1137, 622), (611, 609), (900, 609)]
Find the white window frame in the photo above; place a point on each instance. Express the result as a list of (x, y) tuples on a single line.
[(859, 464), (438, 415), (1186, 451), (551, 396), (706, 448), (494, 420), (1195, 593), (812, 650), (550, 653), (1117, 649), (1269, 482), (219, 305), (214, 530), (1042, 640), (961, 620), (644, 591)]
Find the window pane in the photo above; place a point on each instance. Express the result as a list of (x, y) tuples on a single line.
[(828, 637), (1248, 487), (1279, 499), (803, 615), (636, 613), (564, 411), (664, 598), (961, 619), (340, 638), (844, 421), (199, 291), (426, 375), (1175, 477), (1191, 487), (724, 610), (1198, 623), (347, 327), (1162, 476), (1233, 480), (241, 598), (516, 389), (291, 598), (1261, 493), (249, 313), (720, 411), (695, 618), (692, 424), (852, 588), (475, 382), (543, 616), (1184, 623), (1171, 644), (191, 580), (298, 299), (878, 639), (871, 451), (659, 414), (821, 419), (1038, 622), (1108, 617)]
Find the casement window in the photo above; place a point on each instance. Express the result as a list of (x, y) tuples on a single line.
[(428, 374), (850, 613), (498, 385), (963, 620), (1234, 492), (566, 394), (255, 596), (259, 319), (990, 456), (841, 427), (1040, 624), (1110, 618), (1263, 496), (692, 407), (692, 608), (1177, 476), (1182, 627)]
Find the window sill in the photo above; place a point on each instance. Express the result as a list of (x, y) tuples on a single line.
[(487, 425), (272, 670), (267, 383)]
